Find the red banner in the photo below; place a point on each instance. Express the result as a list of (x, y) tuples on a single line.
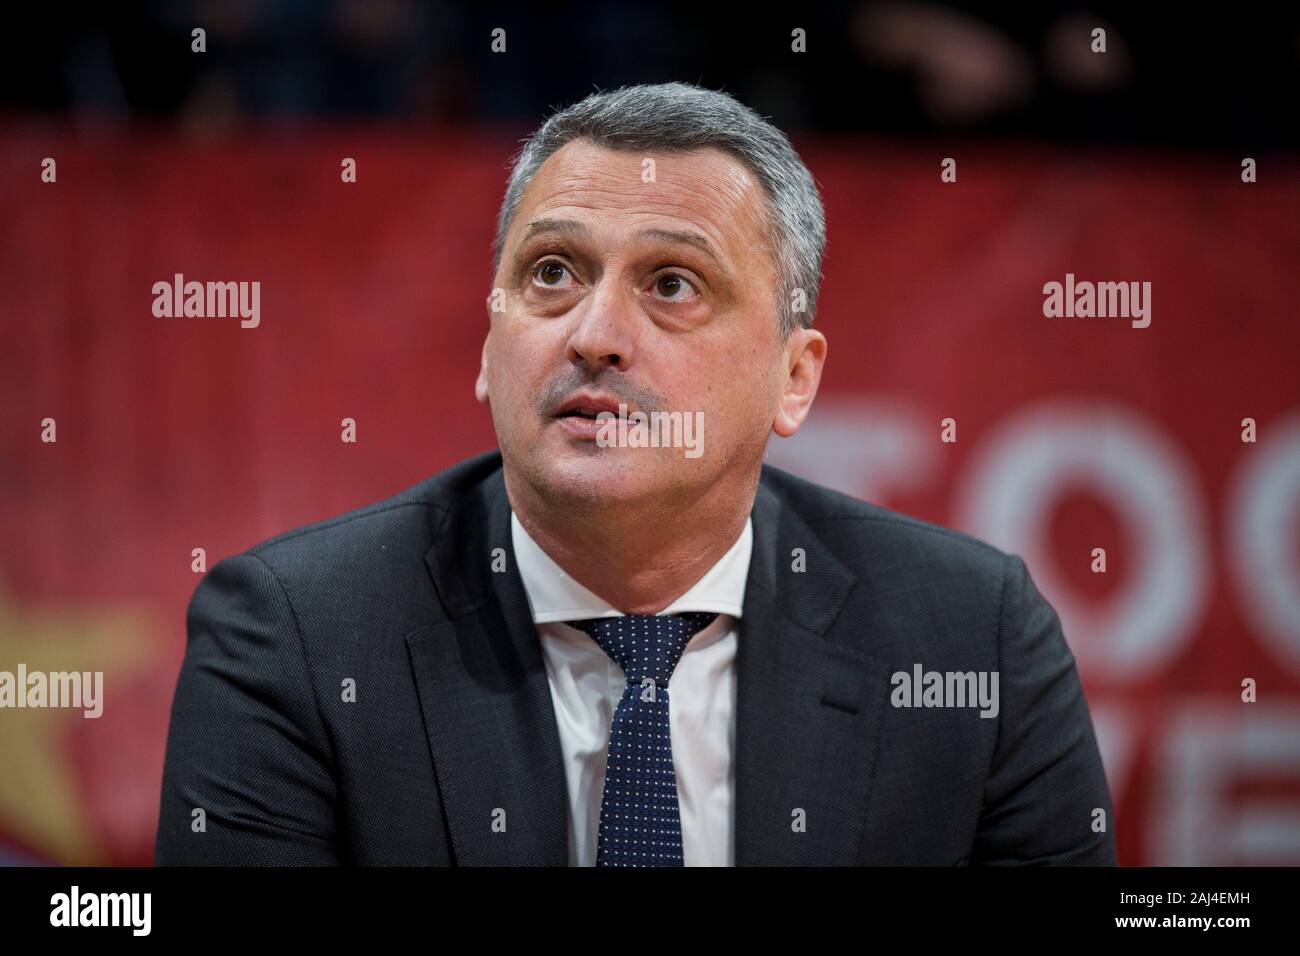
[(1163, 448)]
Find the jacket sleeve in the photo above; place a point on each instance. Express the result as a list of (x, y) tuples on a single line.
[(1046, 781), (247, 745)]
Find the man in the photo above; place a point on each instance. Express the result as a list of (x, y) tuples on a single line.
[(598, 647)]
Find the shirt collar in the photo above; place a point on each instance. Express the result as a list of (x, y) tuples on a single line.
[(554, 596)]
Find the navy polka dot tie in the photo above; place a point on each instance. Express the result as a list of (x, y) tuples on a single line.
[(640, 820)]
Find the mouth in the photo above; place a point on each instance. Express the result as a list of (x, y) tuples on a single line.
[(577, 414), (586, 405)]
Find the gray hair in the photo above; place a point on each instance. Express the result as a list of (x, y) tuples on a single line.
[(678, 117)]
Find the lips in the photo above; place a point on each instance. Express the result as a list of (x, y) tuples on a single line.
[(576, 416), (587, 405)]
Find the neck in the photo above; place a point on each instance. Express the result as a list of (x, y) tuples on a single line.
[(639, 560)]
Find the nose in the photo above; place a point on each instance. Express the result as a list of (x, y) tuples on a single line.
[(607, 328)]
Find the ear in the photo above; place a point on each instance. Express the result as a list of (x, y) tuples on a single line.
[(481, 383), (805, 355)]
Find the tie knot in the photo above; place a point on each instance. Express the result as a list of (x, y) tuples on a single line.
[(646, 645)]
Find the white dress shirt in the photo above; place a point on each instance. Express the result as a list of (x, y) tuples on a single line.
[(586, 685)]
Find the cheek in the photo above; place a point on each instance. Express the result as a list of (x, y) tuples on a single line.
[(727, 400), (520, 349), (738, 380), (752, 403)]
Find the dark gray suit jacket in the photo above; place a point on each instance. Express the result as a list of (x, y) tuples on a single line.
[(452, 720)]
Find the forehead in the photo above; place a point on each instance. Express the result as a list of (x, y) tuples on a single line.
[(703, 190)]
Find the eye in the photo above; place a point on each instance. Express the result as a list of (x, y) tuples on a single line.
[(674, 286), (550, 273)]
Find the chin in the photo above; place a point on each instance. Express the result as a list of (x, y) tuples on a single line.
[(601, 477)]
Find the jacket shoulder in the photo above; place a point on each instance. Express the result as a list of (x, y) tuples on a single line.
[(411, 516), (858, 531)]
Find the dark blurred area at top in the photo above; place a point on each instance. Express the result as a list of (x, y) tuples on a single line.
[(1171, 74)]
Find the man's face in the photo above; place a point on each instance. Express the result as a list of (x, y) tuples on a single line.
[(659, 294)]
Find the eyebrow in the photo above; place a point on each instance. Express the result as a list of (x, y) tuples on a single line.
[(571, 227), (568, 227)]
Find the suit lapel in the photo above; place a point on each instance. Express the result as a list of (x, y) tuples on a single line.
[(485, 698), (808, 709)]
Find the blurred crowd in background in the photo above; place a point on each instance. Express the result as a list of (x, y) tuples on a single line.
[(1171, 74)]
